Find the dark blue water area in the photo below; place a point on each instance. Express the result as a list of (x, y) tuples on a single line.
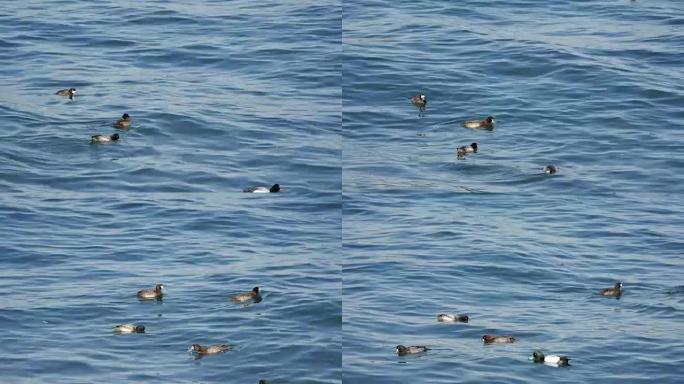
[(593, 87), (223, 96)]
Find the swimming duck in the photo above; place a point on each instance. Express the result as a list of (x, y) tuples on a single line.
[(275, 188), (616, 291), (124, 122), (489, 339), (103, 138), (402, 350), (129, 328), (210, 350), (247, 296), (539, 357), (419, 100), (71, 92), (550, 169), (448, 317), (466, 149), (153, 293), (488, 122)]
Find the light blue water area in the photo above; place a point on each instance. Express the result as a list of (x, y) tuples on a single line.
[(223, 96), (593, 87)]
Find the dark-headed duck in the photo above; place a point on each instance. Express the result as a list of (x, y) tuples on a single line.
[(103, 138), (247, 296), (539, 357), (550, 169), (71, 92), (466, 149), (129, 328), (124, 122), (616, 291), (274, 188), (419, 100), (452, 317), (210, 350), (153, 293), (488, 122), (489, 339), (402, 350)]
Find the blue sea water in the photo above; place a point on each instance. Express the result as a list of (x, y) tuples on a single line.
[(379, 226), (594, 87), (223, 96)]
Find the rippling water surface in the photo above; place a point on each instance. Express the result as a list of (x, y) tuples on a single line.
[(593, 87), (223, 95), (226, 95)]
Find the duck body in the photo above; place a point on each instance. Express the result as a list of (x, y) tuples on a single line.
[(124, 122), (210, 350), (419, 100), (274, 189), (616, 291), (489, 339), (488, 123), (70, 92), (539, 357), (466, 149), (102, 139), (411, 350), (129, 328), (452, 318), (155, 293), (247, 296)]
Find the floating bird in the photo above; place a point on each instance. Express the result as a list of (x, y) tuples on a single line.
[(539, 357), (153, 293), (420, 101), (210, 350), (466, 149), (489, 339), (402, 350), (103, 138), (551, 169), (71, 92), (247, 296), (129, 328), (488, 122), (275, 188), (448, 317), (616, 291), (124, 122)]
